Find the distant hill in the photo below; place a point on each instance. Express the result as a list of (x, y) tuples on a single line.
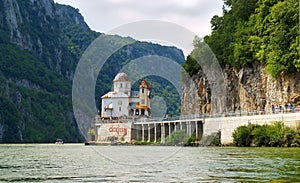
[(40, 45)]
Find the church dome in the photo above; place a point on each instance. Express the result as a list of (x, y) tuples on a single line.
[(122, 76)]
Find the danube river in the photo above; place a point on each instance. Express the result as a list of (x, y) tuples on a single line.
[(79, 163)]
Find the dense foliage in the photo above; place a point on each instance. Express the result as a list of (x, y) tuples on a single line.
[(18, 63), (35, 115), (36, 108), (256, 31), (267, 135)]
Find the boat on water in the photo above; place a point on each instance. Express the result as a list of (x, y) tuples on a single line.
[(59, 141)]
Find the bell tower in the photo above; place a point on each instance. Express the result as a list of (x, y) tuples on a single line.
[(144, 98)]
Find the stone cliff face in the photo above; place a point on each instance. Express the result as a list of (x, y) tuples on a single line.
[(248, 89), (71, 15), (20, 17), (31, 27)]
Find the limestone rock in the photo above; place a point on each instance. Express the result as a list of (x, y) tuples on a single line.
[(249, 89)]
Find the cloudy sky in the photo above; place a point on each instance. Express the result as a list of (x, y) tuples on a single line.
[(105, 15)]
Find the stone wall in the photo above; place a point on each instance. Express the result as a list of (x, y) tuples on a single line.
[(113, 132)]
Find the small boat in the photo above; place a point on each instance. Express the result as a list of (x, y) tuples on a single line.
[(59, 141)]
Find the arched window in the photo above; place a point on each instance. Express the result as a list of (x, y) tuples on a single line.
[(131, 112)]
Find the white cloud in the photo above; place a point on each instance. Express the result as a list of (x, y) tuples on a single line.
[(104, 15)]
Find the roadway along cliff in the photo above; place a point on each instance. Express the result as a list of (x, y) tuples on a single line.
[(247, 89)]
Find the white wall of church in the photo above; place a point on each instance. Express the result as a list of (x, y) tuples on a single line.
[(119, 107), (105, 102), (122, 87)]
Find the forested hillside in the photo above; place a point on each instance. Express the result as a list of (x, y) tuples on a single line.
[(256, 31), (34, 71), (256, 43), (40, 45)]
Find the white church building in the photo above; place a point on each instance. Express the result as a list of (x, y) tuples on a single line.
[(122, 102)]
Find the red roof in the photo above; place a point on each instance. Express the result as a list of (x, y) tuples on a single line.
[(144, 84)]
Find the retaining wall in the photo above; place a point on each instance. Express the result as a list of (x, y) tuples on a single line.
[(227, 125)]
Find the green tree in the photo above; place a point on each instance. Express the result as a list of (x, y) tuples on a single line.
[(265, 31)]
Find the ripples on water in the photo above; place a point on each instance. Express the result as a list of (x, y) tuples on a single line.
[(78, 163)]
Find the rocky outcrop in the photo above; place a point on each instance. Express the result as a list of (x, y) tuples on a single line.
[(46, 5), (13, 16), (71, 15), (33, 25), (196, 96), (248, 89)]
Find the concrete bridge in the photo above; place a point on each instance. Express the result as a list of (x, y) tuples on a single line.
[(154, 130), (199, 126)]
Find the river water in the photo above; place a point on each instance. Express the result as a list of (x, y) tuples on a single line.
[(79, 163)]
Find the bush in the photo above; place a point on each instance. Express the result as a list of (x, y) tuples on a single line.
[(191, 140), (178, 137), (241, 136), (275, 135), (260, 137)]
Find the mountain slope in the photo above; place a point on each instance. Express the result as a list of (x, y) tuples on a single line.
[(40, 45), (35, 90)]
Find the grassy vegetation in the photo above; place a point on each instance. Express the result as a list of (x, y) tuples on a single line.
[(143, 143)]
